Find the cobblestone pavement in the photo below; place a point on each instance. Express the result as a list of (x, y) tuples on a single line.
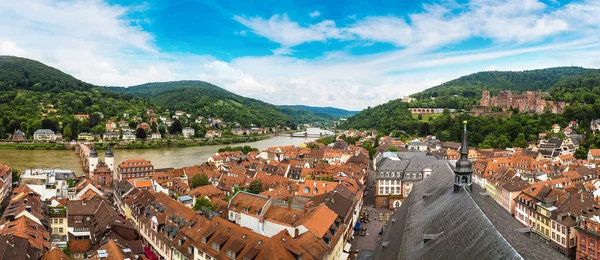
[(369, 241)]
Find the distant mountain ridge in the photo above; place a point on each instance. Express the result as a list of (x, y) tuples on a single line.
[(331, 111), (199, 97)]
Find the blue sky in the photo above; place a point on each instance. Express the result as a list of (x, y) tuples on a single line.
[(348, 54)]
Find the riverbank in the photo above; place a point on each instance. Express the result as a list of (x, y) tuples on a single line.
[(148, 144), (166, 157)]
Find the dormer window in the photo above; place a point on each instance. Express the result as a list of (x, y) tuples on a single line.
[(203, 240), (306, 189), (215, 246), (230, 254), (315, 191)]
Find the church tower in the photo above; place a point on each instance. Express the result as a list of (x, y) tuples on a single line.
[(463, 169), (93, 160), (109, 158)]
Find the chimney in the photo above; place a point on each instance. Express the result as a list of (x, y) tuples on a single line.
[(289, 203), (315, 184)]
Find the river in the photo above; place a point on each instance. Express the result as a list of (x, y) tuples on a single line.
[(160, 158)]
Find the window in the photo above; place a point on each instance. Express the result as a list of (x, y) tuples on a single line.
[(60, 221), (60, 230), (563, 240), (380, 190), (315, 191), (305, 190), (215, 246), (563, 231), (230, 254)]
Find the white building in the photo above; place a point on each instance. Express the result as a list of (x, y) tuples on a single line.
[(44, 135), (128, 136), (48, 183), (188, 132)]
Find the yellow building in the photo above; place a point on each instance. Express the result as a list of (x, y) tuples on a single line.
[(58, 225), (86, 136), (542, 220), (490, 188)]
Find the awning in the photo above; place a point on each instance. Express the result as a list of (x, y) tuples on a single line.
[(344, 256), (347, 247), (150, 254), (357, 226)]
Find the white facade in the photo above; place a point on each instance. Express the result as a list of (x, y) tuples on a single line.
[(188, 132)]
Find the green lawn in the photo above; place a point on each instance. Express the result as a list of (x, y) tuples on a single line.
[(426, 117)]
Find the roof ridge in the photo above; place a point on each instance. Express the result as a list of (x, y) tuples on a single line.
[(492, 224)]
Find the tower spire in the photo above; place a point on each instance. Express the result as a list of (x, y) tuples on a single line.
[(463, 169)]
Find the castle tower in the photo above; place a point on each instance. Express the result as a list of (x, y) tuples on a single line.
[(463, 169), (93, 160), (109, 159), (485, 98)]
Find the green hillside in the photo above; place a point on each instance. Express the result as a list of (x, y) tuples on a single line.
[(578, 86), (329, 111), (33, 96), (198, 97), (393, 115), (465, 91)]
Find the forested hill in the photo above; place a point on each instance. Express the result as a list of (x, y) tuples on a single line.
[(330, 111), (31, 91), (199, 97), (26, 74), (393, 115), (465, 91)]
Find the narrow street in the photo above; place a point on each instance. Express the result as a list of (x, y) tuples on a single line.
[(369, 241)]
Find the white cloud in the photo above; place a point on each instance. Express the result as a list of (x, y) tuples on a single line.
[(314, 14), (280, 29), (105, 48), (10, 48), (89, 39)]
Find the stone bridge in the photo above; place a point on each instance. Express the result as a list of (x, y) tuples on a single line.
[(84, 154)]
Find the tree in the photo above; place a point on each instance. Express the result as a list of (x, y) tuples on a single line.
[(162, 130), (175, 127), (203, 203), (140, 133), (66, 251), (67, 133), (326, 140), (16, 176), (71, 183), (14, 125), (392, 149), (200, 180), (520, 141), (48, 124), (255, 187)]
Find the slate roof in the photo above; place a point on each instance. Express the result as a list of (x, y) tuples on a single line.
[(19, 249), (436, 223)]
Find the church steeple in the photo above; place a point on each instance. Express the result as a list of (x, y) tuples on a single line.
[(463, 169)]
